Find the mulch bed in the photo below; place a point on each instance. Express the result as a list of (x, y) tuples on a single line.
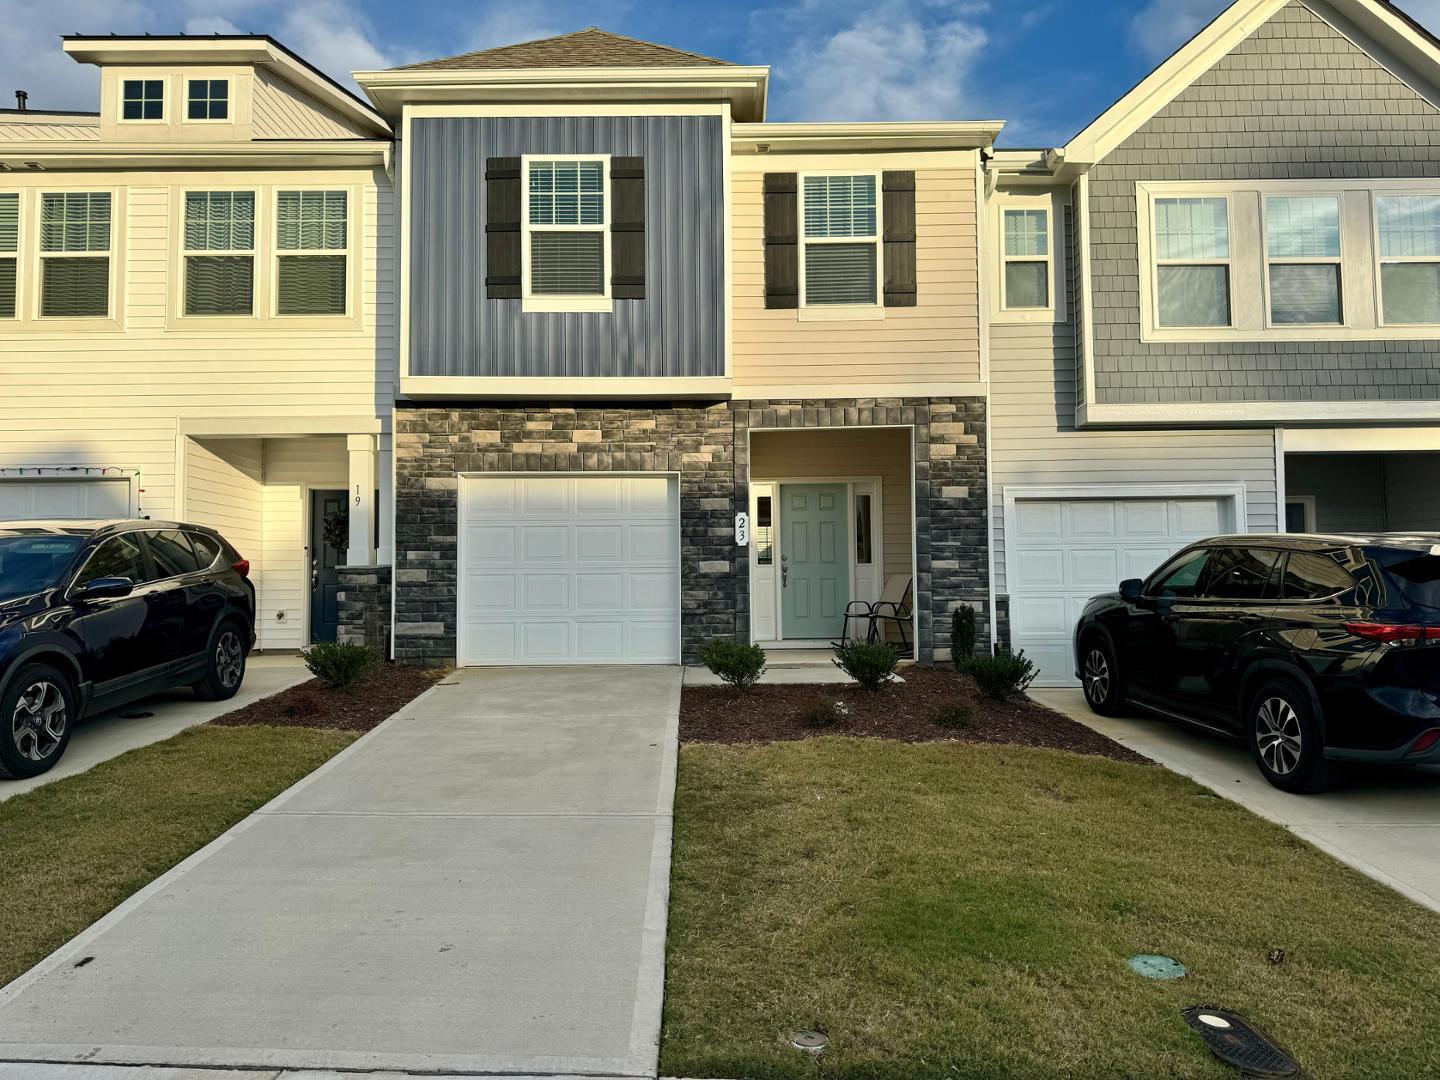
[(904, 711), (359, 707)]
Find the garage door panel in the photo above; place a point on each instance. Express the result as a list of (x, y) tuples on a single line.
[(1038, 520), (593, 567), (1145, 517), (41, 500), (1197, 518), (1088, 520), (1092, 568), (1041, 569), (1039, 615)]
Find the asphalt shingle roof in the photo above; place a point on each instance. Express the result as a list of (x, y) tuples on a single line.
[(591, 47)]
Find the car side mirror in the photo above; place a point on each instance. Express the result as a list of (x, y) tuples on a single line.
[(1130, 589), (104, 588)]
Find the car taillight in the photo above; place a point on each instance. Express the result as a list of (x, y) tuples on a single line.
[(242, 567), (1393, 633), (1426, 741)]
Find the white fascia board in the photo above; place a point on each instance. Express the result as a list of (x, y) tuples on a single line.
[(1362, 439), (1257, 413), (791, 137), (55, 154)]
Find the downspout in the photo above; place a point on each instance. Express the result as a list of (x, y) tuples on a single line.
[(983, 300)]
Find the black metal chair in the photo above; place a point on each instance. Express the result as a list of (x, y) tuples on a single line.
[(894, 606)]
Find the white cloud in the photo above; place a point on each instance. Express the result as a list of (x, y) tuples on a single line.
[(1162, 26), (905, 59)]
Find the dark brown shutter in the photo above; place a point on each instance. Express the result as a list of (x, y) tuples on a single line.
[(502, 228), (627, 228), (782, 248), (899, 213)]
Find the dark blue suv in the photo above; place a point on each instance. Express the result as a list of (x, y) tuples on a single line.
[(97, 614)]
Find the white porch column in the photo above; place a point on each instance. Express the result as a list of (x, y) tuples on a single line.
[(385, 554), (361, 501)]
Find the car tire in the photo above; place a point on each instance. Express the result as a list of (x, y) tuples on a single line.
[(1100, 676), (1286, 739), (38, 712), (224, 663)]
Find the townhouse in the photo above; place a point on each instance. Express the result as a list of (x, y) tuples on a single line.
[(656, 370), (1217, 309), (196, 310)]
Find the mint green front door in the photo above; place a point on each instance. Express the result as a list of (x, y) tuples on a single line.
[(814, 560)]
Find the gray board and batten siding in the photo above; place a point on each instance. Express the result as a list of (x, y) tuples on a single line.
[(678, 330), (1294, 100)]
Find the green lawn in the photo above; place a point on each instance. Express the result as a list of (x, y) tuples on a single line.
[(952, 910), (72, 850)]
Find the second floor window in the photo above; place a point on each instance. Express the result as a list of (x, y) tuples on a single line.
[(312, 241), (142, 99), (9, 249), (207, 99), (75, 254), (1027, 259), (841, 225), (1302, 252), (565, 219), (1409, 228), (1192, 261), (219, 252)]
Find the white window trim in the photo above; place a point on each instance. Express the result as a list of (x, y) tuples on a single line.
[(550, 302), (1307, 505), (1054, 204), (253, 253), (111, 318), (1338, 261), (275, 252), (165, 103), (1415, 329), (807, 312), (1360, 277), (229, 82), (15, 317), (1228, 262)]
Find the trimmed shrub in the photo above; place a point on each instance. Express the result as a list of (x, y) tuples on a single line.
[(825, 714), (1003, 675), (953, 715), (870, 665), (338, 664), (962, 636), (739, 665)]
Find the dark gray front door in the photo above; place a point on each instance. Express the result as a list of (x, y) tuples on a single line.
[(324, 565)]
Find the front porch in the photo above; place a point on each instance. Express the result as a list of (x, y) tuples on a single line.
[(1362, 492)]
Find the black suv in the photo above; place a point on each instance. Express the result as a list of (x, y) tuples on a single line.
[(97, 614), (1317, 649)]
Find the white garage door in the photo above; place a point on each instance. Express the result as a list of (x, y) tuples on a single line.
[(1064, 551), (51, 500), (569, 570)]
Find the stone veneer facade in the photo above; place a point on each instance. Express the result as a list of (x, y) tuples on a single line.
[(708, 446), (364, 607)]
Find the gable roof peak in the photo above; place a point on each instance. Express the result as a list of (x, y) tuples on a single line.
[(591, 47)]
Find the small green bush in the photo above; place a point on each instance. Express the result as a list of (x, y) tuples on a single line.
[(825, 714), (338, 665), (962, 636), (870, 665), (952, 715), (739, 665), (1003, 675)]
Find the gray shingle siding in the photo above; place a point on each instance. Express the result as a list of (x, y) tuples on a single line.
[(677, 330), (1295, 100)]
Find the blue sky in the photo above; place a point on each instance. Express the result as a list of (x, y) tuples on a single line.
[(1046, 66)]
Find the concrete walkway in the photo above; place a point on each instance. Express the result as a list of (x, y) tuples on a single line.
[(107, 735), (1383, 822), (478, 886)]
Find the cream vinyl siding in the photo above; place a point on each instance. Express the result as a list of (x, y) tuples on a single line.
[(292, 467), (846, 454), (1034, 441), (935, 344), (280, 111), (223, 480), (41, 128)]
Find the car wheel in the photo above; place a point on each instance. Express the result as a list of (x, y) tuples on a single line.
[(1100, 676), (37, 713), (1286, 740), (224, 664)]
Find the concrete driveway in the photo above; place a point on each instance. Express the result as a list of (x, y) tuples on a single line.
[(1383, 822), (477, 886), (106, 735)]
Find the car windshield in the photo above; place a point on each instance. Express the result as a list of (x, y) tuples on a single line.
[(31, 563), (1419, 581)]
